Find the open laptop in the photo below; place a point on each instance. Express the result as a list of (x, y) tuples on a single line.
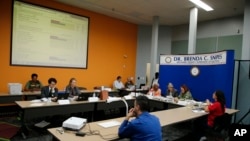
[(63, 96), (83, 97)]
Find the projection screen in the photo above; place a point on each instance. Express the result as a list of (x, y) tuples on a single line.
[(48, 37)]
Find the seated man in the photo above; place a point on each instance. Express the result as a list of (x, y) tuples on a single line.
[(129, 84), (144, 127), (33, 84), (171, 91), (117, 85), (50, 91)]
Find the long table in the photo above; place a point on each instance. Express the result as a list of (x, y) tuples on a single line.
[(40, 109), (31, 110), (9, 99), (166, 117)]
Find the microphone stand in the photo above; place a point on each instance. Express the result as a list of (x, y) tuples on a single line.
[(123, 100)]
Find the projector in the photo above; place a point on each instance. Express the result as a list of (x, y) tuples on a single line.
[(74, 123)]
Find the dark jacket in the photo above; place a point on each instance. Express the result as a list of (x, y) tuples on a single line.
[(45, 92), (174, 93), (72, 91)]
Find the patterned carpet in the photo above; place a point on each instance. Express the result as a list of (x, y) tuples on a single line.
[(7, 130)]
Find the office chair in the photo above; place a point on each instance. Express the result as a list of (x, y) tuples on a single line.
[(82, 88), (220, 131)]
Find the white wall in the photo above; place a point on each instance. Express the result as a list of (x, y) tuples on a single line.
[(144, 48), (220, 27)]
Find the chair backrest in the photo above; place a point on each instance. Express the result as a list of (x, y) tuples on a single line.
[(82, 88), (222, 122)]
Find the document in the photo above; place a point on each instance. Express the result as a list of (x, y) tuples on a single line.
[(42, 124), (37, 104), (109, 124)]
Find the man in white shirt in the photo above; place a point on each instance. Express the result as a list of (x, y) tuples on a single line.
[(117, 85)]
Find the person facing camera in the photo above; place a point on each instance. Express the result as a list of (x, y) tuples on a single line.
[(72, 89), (50, 91), (185, 94), (34, 84), (155, 90), (144, 127), (171, 91), (117, 85), (129, 83)]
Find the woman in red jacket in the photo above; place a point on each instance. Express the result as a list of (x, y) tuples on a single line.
[(215, 109)]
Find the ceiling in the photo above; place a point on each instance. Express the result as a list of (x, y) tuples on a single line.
[(170, 12)]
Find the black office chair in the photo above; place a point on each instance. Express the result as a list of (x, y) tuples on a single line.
[(220, 131), (82, 88)]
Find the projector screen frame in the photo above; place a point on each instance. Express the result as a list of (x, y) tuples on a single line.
[(84, 48)]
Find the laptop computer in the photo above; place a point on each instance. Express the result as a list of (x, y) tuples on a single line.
[(83, 97), (63, 96)]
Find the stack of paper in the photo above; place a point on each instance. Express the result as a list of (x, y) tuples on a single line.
[(109, 124)]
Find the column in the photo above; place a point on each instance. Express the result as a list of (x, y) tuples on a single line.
[(192, 30), (246, 32), (154, 48)]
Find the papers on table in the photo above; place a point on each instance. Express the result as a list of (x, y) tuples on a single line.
[(198, 111), (42, 124), (36, 100), (182, 102), (37, 104), (109, 124)]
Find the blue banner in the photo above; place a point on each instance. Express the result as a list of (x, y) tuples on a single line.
[(202, 73)]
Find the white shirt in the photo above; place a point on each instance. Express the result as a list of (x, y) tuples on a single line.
[(118, 85)]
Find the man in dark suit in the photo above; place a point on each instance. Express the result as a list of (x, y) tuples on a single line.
[(50, 91)]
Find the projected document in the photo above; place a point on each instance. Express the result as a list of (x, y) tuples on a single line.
[(46, 37)]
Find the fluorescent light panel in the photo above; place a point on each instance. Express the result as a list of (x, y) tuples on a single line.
[(202, 5)]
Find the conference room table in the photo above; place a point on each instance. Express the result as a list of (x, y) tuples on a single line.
[(37, 108), (9, 99), (94, 131)]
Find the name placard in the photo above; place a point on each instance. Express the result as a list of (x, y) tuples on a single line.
[(197, 59)]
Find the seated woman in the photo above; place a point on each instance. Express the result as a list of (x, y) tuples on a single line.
[(72, 89), (214, 110), (171, 91), (185, 94), (155, 90)]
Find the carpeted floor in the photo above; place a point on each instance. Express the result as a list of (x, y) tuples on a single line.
[(178, 132), (7, 131)]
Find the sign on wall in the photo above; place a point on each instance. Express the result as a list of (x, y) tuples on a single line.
[(202, 73)]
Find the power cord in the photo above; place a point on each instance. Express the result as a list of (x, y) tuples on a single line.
[(97, 132)]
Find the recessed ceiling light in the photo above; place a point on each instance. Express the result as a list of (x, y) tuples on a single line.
[(202, 5)]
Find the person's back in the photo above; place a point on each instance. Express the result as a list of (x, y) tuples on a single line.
[(146, 128)]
